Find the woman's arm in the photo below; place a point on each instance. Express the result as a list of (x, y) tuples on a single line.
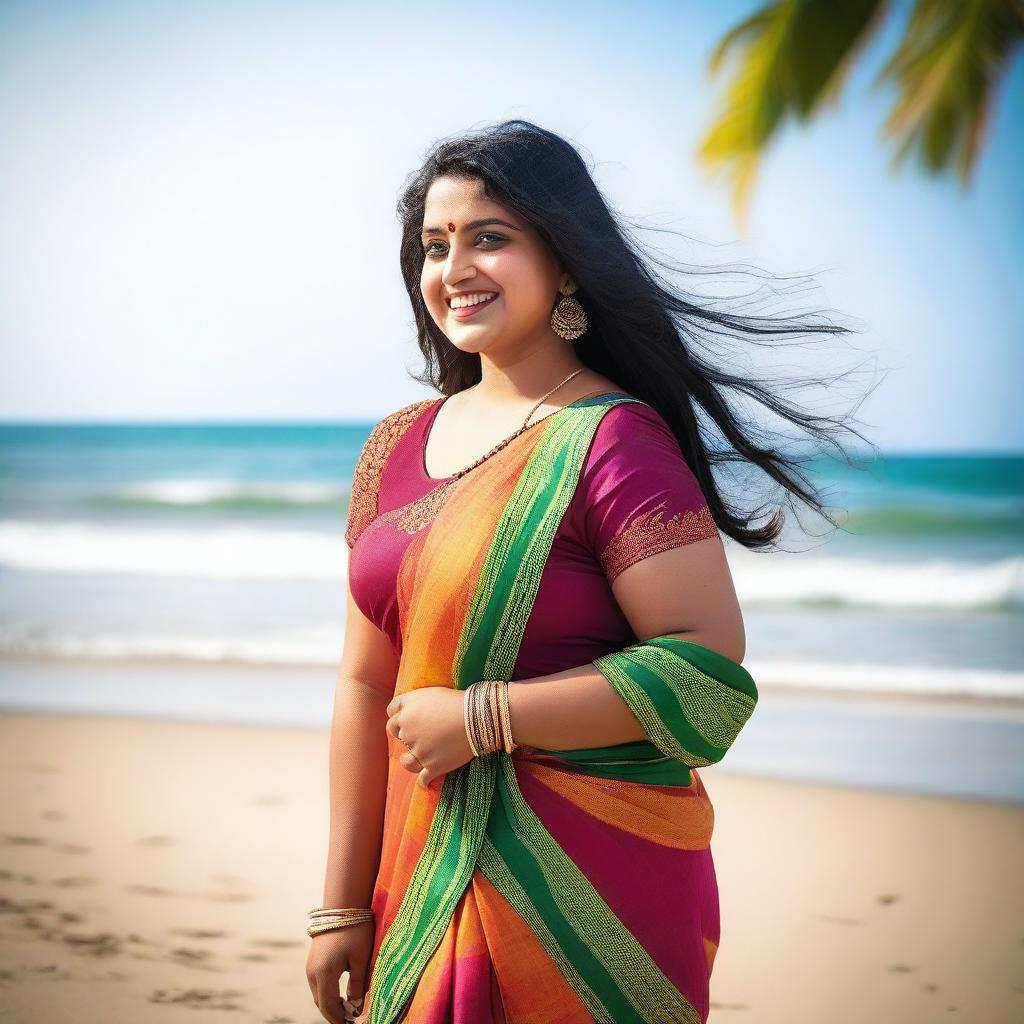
[(358, 761), (685, 592)]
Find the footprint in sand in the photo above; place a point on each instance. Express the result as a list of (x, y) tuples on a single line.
[(199, 998), (95, 944), (200, 933), (150, 890), (277, 943), (51, 971), (71, 848), (888, 897), (9, 906), (191, 957), (74, 881), (156, 841), (25, 840)]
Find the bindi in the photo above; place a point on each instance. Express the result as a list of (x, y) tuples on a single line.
[(451, 226)]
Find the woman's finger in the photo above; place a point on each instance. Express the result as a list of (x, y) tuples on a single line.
[(328, 1000)]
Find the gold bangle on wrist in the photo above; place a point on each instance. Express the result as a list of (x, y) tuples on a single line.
[(486, 717), (324, 919)]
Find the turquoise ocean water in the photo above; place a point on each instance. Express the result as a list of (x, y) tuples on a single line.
[(224, 544)]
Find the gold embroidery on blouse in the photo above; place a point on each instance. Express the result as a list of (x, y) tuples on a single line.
[(363, 501), (423, 511), (648, 535), (420, 512)]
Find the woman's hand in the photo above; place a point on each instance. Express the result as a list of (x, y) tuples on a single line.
[(330, 955), (430, 723)]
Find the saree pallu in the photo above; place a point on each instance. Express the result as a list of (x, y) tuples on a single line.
[(580, 881)]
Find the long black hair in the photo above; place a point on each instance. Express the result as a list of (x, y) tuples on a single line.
[(650, 338)]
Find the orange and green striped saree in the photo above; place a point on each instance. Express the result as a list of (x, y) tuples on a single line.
[(579, 882)]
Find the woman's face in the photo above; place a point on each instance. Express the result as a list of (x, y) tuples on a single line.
[(491, 250)]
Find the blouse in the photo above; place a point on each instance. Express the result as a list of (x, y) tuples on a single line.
[(636, 496)]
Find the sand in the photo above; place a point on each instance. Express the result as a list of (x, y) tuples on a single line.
[(161, 871)]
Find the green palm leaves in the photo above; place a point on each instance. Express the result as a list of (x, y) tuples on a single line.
[(795, 56)]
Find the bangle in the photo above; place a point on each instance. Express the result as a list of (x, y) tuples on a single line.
[(485, 713), (323, 919)]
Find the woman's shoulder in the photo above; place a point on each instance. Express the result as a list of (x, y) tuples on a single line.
[(386, 433), (396, 423), (632, 423), (637, 493)]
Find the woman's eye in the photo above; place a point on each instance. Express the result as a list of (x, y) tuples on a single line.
[(428, 249)]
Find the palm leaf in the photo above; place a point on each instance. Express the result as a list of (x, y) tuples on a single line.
[(946, 71), (795, 55)]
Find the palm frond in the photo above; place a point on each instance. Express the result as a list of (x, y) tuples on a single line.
[(946, 71), (795, 55)]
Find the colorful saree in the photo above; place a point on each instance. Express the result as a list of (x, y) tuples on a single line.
[(579, 883)]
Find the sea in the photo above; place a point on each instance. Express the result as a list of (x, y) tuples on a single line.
[(199, 571)]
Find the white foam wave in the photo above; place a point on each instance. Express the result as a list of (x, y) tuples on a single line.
[(243, 552), (924, 680), (184, 491), (228, 552), (312, 646), (935, 584)]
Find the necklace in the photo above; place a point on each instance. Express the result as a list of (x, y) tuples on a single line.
[(526, 425)]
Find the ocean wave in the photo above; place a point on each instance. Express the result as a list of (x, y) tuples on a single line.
[(241, 552), (787, 580), (226, 494), (312, 647), (233, 552), (921, 680), (320, 647)]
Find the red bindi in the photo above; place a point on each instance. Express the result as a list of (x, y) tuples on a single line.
[(451, 226)]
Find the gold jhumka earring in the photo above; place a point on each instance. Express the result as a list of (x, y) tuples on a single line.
[(569, 320)]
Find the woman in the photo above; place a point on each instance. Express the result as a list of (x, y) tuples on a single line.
[(543, 640)]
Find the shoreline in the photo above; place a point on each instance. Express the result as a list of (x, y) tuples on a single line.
[(930, 745), (966, 701)]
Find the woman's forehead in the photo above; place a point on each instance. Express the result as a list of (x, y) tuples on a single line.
[(451, 199)]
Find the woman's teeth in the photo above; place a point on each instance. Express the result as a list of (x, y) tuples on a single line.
[(461, 301)]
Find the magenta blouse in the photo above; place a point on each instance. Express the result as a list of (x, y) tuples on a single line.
[(636, 496)]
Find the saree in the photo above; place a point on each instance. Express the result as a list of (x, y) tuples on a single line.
[(582, 878)]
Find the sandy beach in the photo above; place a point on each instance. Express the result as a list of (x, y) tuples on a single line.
[(151, 868)]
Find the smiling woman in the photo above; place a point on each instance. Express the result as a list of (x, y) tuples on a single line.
[(544, 643)]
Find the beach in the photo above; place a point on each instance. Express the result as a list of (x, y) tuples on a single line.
[(172, 612), (152, 867)]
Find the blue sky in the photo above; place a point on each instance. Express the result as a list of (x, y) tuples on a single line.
[(197, 203)]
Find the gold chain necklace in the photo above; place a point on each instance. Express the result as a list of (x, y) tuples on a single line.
[(526, 424)]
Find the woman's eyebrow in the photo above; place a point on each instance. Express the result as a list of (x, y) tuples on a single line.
[(472, 225)]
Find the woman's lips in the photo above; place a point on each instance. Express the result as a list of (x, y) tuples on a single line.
[(464, 312)]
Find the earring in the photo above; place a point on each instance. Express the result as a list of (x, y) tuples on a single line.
[(569, 320)]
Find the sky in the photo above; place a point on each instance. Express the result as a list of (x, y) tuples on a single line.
[(197, 203)]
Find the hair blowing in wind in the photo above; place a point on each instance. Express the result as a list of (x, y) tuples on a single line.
[(682, 353)]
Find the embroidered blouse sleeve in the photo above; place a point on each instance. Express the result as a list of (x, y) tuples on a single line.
[(640, 495), (363, 497)]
